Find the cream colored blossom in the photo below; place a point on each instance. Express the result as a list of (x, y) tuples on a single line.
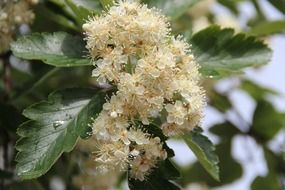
[(109, 128), (111, 156), (146, 158), (176, 113), (141, 153), (114, 107), (155, 75)]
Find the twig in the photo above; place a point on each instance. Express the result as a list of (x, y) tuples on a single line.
[(7, 74)]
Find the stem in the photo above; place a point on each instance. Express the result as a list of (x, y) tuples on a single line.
[(40, 81), (7, 77), (258, 9)]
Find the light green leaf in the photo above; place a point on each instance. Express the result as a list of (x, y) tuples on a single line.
[(219, 52), (204, 150), (54, 128), (268, 27), (58, 49), (270, 181), (171, 8)]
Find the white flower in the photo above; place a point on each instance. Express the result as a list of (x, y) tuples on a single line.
[(145, 161), (132, 49), (109, 128), (138, 136), (176, 113), (114, 107), (112, 155)]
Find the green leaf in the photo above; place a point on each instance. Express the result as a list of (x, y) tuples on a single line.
[(230, 169), (54, 128), (267, 121), (106, 3), (53, 18), (40, 77), (219, 52), (270, 181), (58, 49), (268, 27), (225, 130), (159, 178), (256, 91), (84, 8), (278, 4), (204, 150), (173, 9), (156, 131), (231, 5), (219, 101)]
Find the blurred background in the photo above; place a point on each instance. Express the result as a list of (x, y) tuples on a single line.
[(245, 116), (249, 159)]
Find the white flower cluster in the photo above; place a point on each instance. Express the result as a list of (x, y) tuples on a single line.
[(12, 14), (156, 77)]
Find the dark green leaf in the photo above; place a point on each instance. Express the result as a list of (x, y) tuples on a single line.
[(220, 52), (231, 5), (204, 150), (278, 4), (157, 132), (51, 17), (167, 170), (173, 9), (5, 174), (230, 169), (10, 117), (268, 28), (54, 128), (267, 121), (58, 49), (225, 130), (219, 101), (159, 178), (84, 8)]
